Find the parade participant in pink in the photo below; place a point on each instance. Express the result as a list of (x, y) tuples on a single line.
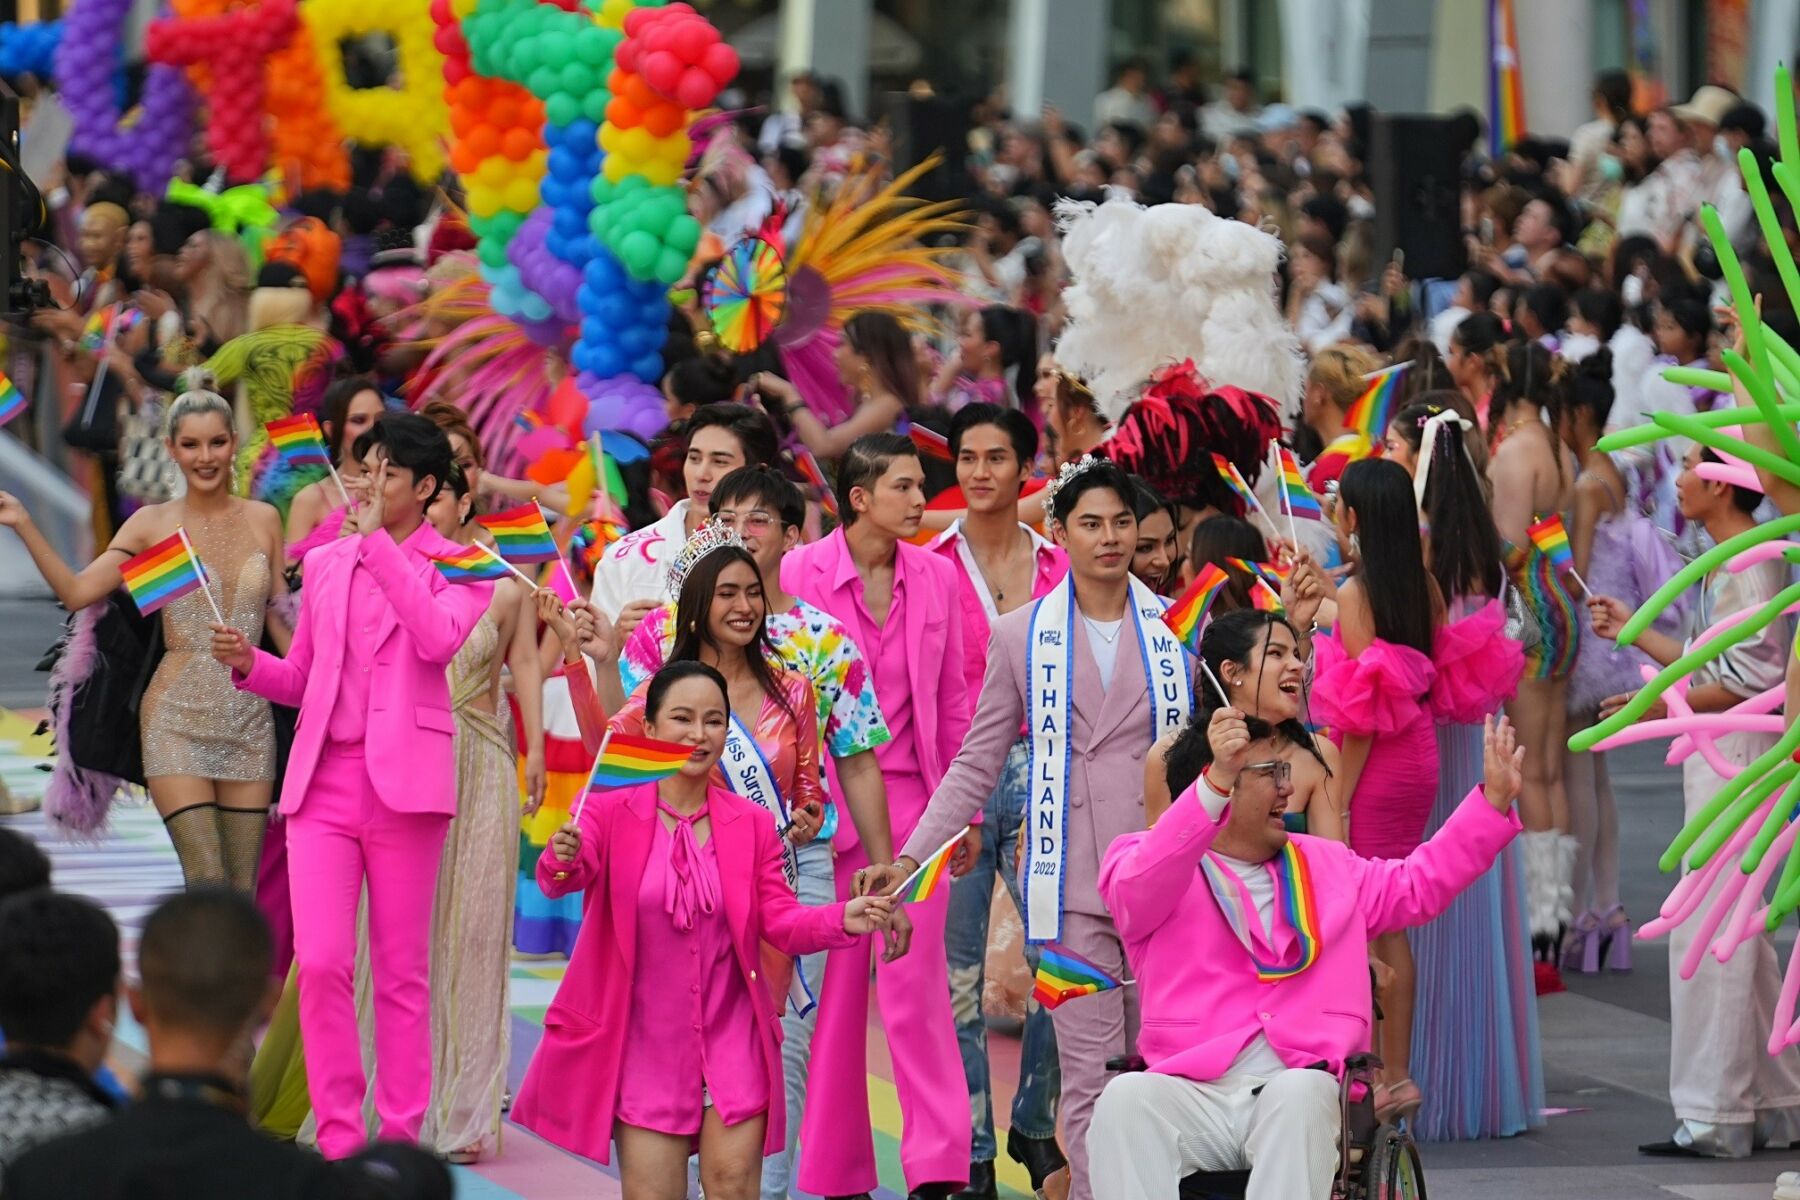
[(686, 876), (367, 669), (1250, 1012), (1098, 677), (899, 603)]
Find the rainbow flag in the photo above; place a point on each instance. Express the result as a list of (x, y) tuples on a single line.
[(1549, 536), (626, 761), (1300, 499), (107, 324), (166, 571), (1269, 573), (809, 466), (1370, 414), (930, 443), (1264, 598), (471, 564), (521, 534), (299, 441), (591, 538), (1229, 473), (1299, 909), (1062, 975), (12, 400), (934, 871), (1506, 83), (1188, 613)]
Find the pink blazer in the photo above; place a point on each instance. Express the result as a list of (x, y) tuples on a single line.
[(422, 626), (1199, 997), (1109, 737), (571, 1088), (822, 574)]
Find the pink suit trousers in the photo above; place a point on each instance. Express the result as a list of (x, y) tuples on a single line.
[(342, 834)]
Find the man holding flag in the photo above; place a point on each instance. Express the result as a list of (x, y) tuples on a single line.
[(1097, 676), (367, 671)]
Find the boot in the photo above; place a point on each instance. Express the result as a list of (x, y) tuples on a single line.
[(1041, 1157), (981, 1183)]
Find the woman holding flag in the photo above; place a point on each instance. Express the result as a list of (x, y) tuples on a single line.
[(208, 749), (351, 406), (682, 1057)]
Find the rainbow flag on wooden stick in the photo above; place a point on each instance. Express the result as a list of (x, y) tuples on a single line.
[(626, 761), (299, 441), (470, 564), (1188, 613), (1300, 499), (1063, 975), (1371, 412), (521, 535), (1552, 540), (935, 870), (164, 573)]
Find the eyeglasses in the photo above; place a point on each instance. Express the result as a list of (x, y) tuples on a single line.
[(1279, 771), (755, 521)]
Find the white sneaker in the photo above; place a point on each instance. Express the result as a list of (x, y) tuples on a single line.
[(1787, 1186)]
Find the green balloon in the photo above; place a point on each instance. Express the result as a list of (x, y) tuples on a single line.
[(671, 266), (684, 235), (543, 81), (638, 251), (561, 109), (593, 105), (577, 78)]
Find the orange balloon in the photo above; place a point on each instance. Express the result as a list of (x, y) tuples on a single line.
[(518, 144), (664, 119), (483, 141)]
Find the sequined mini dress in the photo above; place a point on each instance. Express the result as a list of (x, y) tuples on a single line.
[(192, 720)]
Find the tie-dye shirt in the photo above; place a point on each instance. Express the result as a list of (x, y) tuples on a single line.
[(807, 640)]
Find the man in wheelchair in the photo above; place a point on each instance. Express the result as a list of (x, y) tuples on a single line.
[(1250, 947)]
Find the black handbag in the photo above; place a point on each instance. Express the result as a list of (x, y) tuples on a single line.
[(94, 426), (103, 707)]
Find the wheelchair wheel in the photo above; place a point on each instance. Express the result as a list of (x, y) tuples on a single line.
[(1391, 1169)]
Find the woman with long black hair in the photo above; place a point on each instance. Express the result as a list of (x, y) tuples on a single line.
[(1372, 682)]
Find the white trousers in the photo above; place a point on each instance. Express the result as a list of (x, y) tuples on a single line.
[(1151, 1130)]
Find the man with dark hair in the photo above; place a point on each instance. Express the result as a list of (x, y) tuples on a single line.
[(899, 603), (1127, 101), (1096, 678), (204, 961), (767, 511), (1001, 564), (59, 979), (371, 781), (1236, 113), (23, 867), (633, 576)]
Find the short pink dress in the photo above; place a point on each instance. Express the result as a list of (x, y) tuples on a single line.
[(1381, 694), (691, 1042)]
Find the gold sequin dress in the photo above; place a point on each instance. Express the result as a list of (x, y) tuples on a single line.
[(192, 721)]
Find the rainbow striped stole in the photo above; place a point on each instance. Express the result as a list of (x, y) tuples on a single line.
[(1296, 914)]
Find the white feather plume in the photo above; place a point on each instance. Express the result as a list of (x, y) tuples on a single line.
[(1153, 286)]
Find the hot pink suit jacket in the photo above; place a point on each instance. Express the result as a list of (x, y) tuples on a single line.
[(424, 623), (934, 636), (1200, 1000), (571, 1089)]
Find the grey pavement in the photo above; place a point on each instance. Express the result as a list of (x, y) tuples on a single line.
[(28, 627)]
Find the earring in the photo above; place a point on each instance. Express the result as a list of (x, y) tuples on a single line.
[(1356, 545)]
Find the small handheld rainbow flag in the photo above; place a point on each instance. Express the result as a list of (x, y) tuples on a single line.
[(930, 443), (12, 400), (1300, 499), (1269, 573), (935, 870), (1264, 598), (1063, 975), (299, 441), (1370, 413), (1552, 540), (470, 564), (626, 761), (521, 535), (1233, 480), (165, 572), (815, 475), (1188, 613)]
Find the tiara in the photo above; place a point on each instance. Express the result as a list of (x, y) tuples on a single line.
[(1068, 473), (713, 535)]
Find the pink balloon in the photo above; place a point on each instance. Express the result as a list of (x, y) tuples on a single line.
[(692, 38), (696, 89), (721, 62), (662, 71)]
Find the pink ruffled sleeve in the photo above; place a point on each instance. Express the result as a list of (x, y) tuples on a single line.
[(1478, 666), (1379, 692)]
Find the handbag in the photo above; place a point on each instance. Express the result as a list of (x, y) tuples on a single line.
[(1521, 623), (119, 650), (146, 472), (94, 426)]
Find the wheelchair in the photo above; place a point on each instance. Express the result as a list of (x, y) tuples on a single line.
[(1377, 1160)]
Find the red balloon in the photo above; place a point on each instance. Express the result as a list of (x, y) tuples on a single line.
[(662, 71), (691, 39), (721, 62), (696, 89)]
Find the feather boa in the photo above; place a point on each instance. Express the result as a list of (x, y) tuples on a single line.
[(78, 801)]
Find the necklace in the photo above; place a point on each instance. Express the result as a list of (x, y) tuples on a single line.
[(1108, 638)]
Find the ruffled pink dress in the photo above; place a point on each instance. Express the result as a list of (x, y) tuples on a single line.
[(1382, 694), (1478, 666)]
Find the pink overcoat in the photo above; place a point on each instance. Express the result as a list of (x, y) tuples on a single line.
[(1200, 997), (571, 1089)]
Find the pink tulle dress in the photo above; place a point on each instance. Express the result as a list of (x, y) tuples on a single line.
[(1382, 694), (1478, 666)]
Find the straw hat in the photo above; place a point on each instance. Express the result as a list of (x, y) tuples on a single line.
[(1707, 107)]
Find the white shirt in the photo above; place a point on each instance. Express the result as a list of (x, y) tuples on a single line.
[(1106, 653), (1258, 1058), (636, 567)]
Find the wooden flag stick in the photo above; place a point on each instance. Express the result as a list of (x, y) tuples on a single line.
[(907, 883), (200, 569), (499, 558), (575, 817), (568, 576)]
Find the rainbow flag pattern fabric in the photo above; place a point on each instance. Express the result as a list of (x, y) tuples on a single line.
[(809, 466), (1296, 912), (1233, 480), (930, 443), (521, 535), (1188, 613), (1063, 976), (1300, 499), (1372, 411), (299, 441), (1264, 598), (471, 564), (12, 400), (165, 572), (1506, 81), (932, 874), (626, 761), (1549, 536)]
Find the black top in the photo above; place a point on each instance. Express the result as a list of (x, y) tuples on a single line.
[(187, 1139)]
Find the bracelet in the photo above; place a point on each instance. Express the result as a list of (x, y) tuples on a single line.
[(1206, 778)]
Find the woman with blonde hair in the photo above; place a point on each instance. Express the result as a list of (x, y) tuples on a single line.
[(215, 272), (1338, 376)]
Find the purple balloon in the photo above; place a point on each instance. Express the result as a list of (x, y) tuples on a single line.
[(623, 403), (541, 271), (85, 61)]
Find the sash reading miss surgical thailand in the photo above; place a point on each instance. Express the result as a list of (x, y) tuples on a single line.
[(1050, 670), (747, 773)]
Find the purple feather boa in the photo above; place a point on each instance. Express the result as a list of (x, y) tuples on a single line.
[(78, 801)]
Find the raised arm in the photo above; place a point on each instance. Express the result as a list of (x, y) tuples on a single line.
[(94, 582), (437, 621)]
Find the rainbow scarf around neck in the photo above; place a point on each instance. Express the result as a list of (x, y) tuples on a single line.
[(1296, 910)]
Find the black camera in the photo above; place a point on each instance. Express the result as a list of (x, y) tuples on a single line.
[(21, 211)]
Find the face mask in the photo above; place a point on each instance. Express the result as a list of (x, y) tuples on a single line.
[(1611, 169)]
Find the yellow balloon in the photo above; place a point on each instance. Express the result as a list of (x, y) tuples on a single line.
[(609, 138), (522, 194), (637, 143), (483, 202), (617, 168), (661, 172), (612, 14), (412, 116)]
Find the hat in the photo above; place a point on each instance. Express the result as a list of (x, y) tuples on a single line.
[(1707, 106), (1276, 118)]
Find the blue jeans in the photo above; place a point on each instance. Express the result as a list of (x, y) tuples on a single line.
[(965, 944), (816, 888)]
